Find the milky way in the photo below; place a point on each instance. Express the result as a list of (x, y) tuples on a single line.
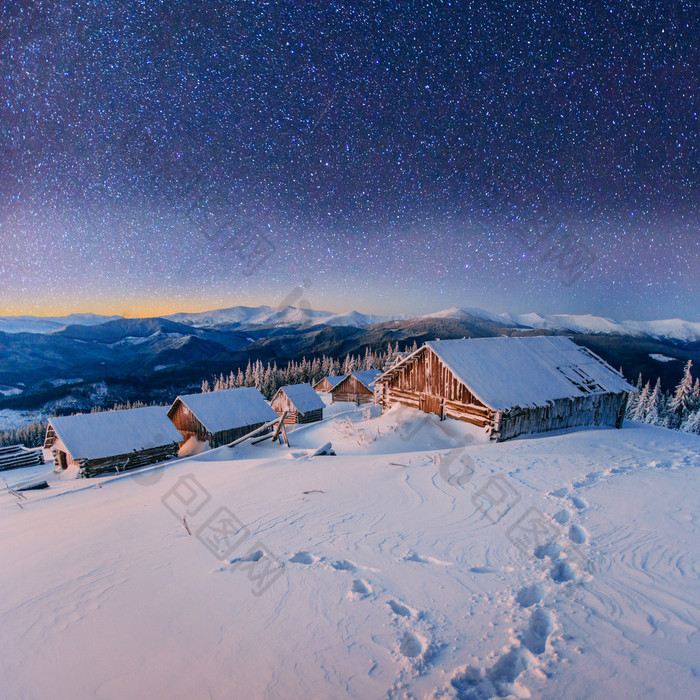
[(162, 156)]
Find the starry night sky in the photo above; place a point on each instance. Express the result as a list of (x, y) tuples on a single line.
[(517, 156)]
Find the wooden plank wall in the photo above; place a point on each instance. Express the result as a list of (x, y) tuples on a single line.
[(594, 409), (119, 463), (428, 385), (186, 422), (282, 403), (350, 389), (223, 437)]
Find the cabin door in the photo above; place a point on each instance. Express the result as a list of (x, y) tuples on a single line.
[(62, 461), (430, 404)]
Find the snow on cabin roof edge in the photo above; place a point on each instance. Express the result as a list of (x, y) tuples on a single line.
[(506, 372), (333, 380), (228, 409), (366, 374), (302, 396), (112, 433)]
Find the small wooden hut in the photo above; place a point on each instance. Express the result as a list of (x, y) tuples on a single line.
[(220, 417), (356, 387), (326, 384), (302, 403), (509, 386), (112, 441)]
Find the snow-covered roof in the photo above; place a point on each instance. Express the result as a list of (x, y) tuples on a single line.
[(507, 372), (228, 409), (303, 397), (333, 381), (366, 376), (111, 433)]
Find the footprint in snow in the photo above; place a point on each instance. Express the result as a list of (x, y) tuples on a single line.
[(257, 555), (577, 534), (562, 572), (497, 681), (483, 570), (302, 558), (579, 502), (551, 550), (411, 645), (343, 565), (400, 609), (360, 588), (538, 631), (560, 493), (530, 595), (562, 517), (590, 479)]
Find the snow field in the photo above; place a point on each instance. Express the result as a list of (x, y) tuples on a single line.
[(419, 562)]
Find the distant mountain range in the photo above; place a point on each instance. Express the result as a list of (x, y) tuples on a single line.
[(289, 316), (75, 362)]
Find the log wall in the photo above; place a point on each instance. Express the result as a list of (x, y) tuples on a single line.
[(426, 384), (18, 456), (282, 403), (186, 422), (594, 409), (352, 390), (223, 437), (323, 386), (119, 463)]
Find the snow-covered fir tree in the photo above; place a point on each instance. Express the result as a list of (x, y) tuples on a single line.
[(682, 402)]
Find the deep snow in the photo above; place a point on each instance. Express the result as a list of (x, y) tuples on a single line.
[(421, 561)]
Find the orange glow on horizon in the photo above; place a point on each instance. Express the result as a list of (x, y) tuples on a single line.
[(128, 309), (136, 308)]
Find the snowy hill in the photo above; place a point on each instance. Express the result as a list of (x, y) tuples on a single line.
[(279, 316), (49, 324), (420, 562), (672, 329)]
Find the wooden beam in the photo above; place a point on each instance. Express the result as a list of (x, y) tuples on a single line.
[(252, 433), (279, 426)]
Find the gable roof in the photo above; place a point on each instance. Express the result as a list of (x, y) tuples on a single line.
[(366, 377), (111, 433), (333, 381), (506, 372), (303, 397), (228, 409)]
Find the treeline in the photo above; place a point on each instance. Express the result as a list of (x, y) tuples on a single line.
[(30, 435), (33, 434), (267, 378), (678, 410)]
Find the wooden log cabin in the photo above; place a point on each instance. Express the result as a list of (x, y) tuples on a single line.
[(509, 386), (356, 387), (220, 417), (112, 441), (302, 403), (326, 384)]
